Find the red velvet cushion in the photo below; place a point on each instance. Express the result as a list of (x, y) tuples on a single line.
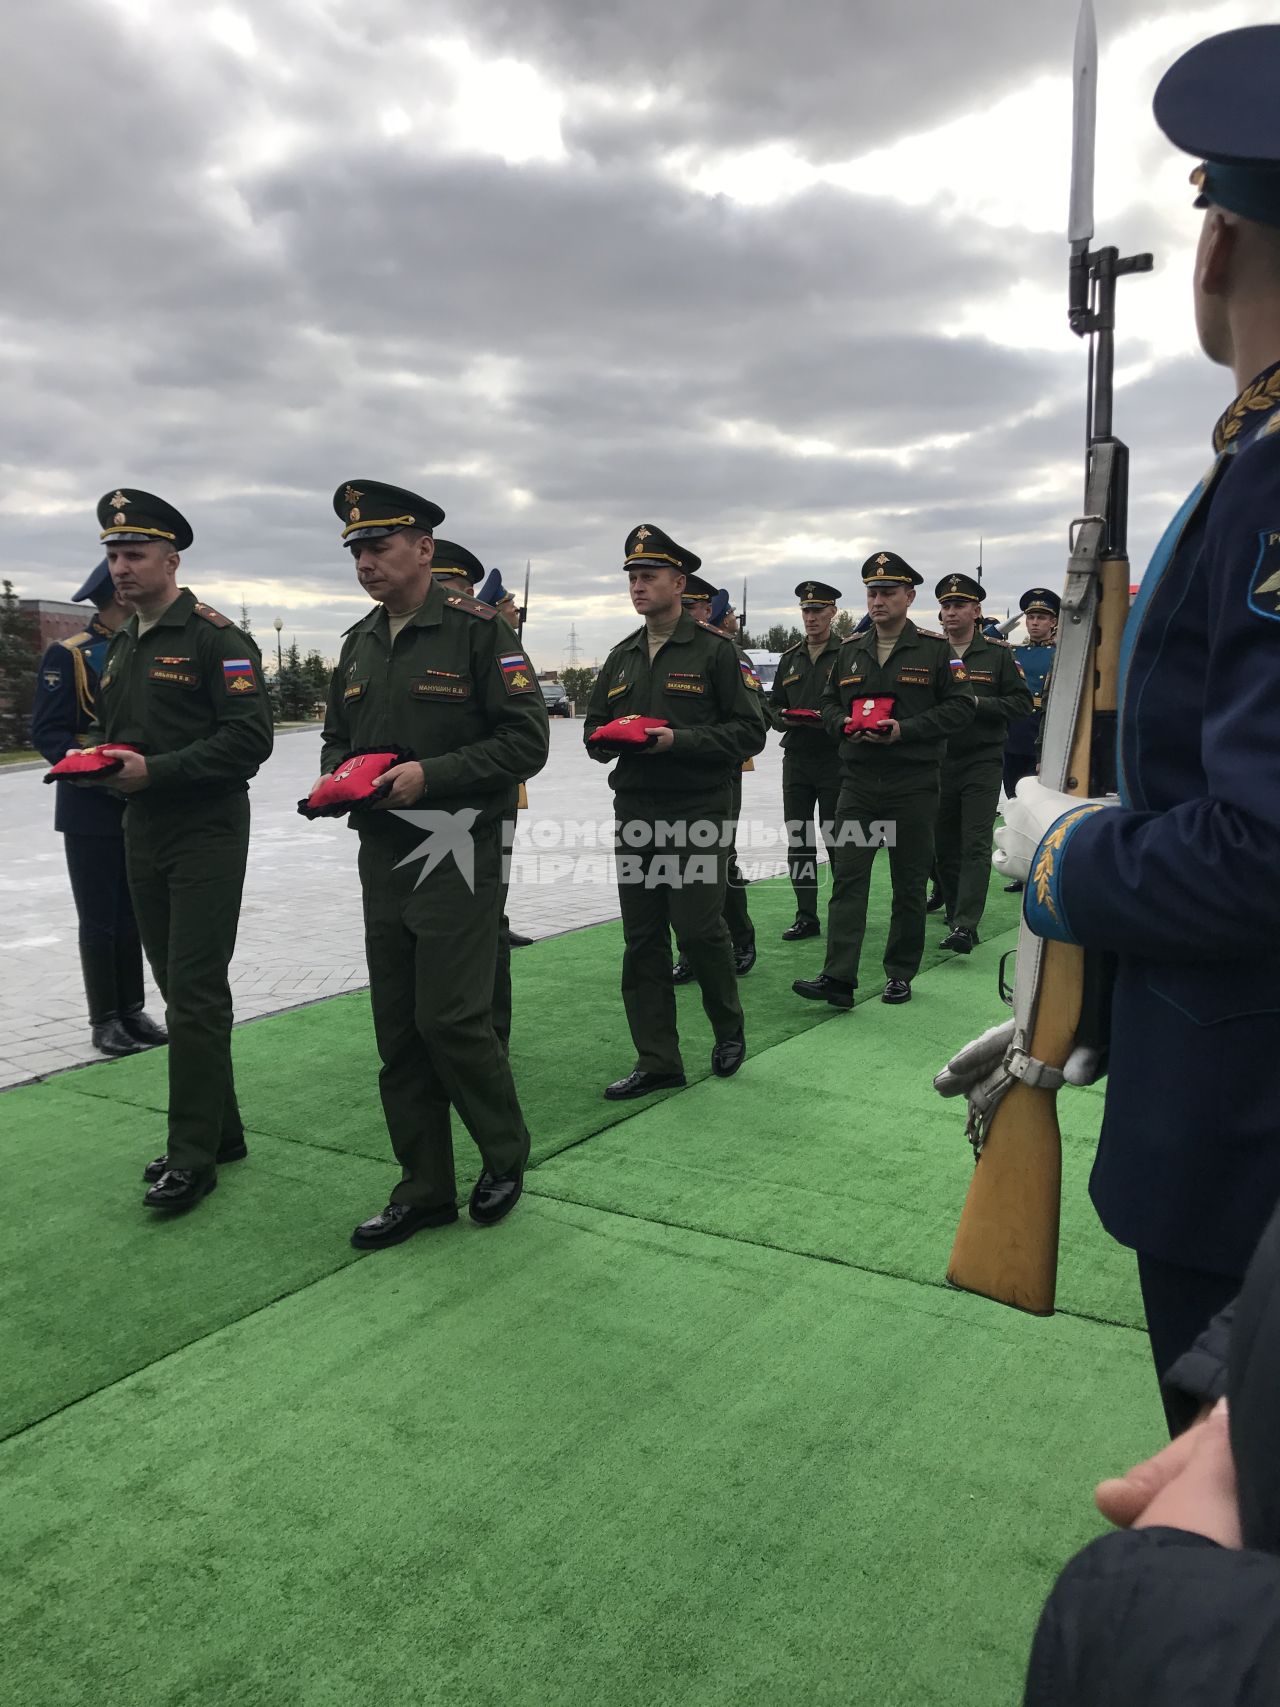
[(354, 783), (625, 734), (868, 713), (801, 714), (90, 765)]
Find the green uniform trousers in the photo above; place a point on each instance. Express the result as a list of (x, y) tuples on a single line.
[(742, 933), (186, 874), (807, 788), (906, 800), (432, 952), (656, 900), (967, 810)]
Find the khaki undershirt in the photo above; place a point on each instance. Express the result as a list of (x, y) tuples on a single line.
[(815, 649), (146, 624), (961, 650), (657, 637), (884, 647), (396, 623)]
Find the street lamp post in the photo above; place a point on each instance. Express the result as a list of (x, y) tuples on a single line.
[(279, 624)]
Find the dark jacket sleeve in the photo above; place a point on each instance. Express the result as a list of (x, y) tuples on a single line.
[(1131, 879), (1199, 1377), (56, 711), (1159, 1618)]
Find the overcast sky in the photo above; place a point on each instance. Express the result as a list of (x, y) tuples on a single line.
[(787, 280)]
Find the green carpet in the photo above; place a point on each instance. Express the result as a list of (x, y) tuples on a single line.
[(698, 1425), (579, 1460)]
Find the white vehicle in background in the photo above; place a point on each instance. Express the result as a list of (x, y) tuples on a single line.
[(765, 665)]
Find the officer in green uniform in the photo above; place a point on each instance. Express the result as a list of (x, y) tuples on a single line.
[(699, 600), (889, 778), (673, 879), (184, 685), (438, 676), (810, 758), (974, 760)]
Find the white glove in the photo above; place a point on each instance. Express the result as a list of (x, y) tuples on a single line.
[(966, 1071), (1028, 818)]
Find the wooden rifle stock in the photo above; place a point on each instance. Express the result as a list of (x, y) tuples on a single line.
[(1006, 1245)]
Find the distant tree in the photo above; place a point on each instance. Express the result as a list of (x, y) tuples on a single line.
[(576, 681), (19, 661), (845, 622), (779, 638), (315, 673), (244, 620), (295, 696)]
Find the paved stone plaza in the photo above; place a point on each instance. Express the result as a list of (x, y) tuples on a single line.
[(300, 928)]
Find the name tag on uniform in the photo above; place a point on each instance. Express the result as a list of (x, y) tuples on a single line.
[(981, 676), (850, 681), (914, 675), (440, 684), (176, 678), (621, 688), (790, 679), (354, 691), (680, 681)]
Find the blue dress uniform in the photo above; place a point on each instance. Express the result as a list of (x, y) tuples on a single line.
[(91, 823), (1182, 880), (1035, 662)]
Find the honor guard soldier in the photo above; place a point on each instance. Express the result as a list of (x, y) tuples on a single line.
[(435, 679), (709, 606), (810, 756), (974, 760), (893, 698), (91, 822), (682, 684), (182, 688), (1034, 658), (1187, 1170)]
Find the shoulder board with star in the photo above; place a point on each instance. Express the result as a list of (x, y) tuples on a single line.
[(930, 633), (712, 629), (473, 607), (788, 650), (997, 640), (210, 615)]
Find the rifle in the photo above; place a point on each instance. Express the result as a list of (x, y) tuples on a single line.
[(1006, 1245), (523, 612)]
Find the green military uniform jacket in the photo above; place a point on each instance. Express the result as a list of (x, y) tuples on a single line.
[(798, 685), (189, 693), (1002, 695), (931, 700), (456, 691), (699, 685)]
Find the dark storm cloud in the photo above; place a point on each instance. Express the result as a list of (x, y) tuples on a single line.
[(233, 288)]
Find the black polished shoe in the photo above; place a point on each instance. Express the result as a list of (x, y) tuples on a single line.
[(515, 940), (744, 959), (494, 1196), (935, 901), (682, 972), (896, 990), (400, 1221), (824, 989), (232, 1153), (1014, 888), (960, 940), (728, 1056), (144, 1030), (640, 1084), (111, 1038), (181, 1188), (801, 929)]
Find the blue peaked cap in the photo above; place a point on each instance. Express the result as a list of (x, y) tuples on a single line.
[(493, 592), (98, 582)]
